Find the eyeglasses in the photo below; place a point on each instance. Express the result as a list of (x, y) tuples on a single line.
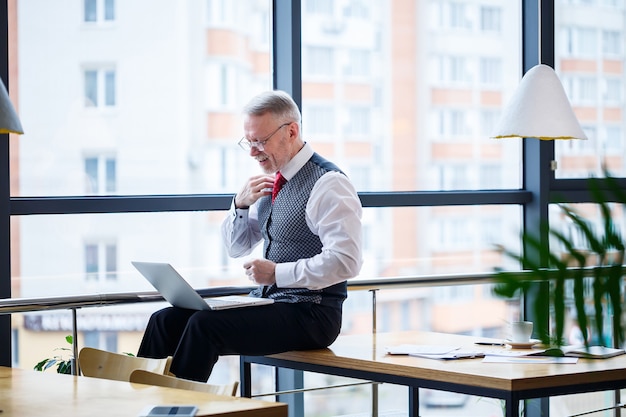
[(247, 145)]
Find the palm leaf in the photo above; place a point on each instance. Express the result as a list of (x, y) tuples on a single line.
[(541, 264)]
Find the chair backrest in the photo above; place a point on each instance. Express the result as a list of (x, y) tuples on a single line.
[(109, 365), (151, 378)]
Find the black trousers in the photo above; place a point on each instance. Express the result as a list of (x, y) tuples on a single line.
[(196, 339)]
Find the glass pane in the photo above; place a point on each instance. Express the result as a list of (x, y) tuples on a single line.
[(90, 10), (590, 58), (559, 222), (64, 255), (109, 85), (91, 88), (575, 404), (438, 240), (163, 88), (403, 95), (111, 175), (109, 10)]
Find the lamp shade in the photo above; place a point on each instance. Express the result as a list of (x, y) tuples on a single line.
[(9, 122), (539, 109)]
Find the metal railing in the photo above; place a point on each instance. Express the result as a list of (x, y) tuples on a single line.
[(74, 302), (22, 305)]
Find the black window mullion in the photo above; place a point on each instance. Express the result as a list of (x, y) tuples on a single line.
[(287, 48), (5, 193)]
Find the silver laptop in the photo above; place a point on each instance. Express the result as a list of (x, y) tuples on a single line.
[(179, 293)]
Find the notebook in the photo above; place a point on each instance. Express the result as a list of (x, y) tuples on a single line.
[(179, 293)]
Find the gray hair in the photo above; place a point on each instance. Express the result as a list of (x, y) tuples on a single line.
[(277, 102)]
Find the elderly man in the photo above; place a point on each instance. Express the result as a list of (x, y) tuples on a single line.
[(308, 216)]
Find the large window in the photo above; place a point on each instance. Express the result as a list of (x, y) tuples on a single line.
[(166, 119)]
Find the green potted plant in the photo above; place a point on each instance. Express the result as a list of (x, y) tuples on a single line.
[(63, 362), (593, 272)]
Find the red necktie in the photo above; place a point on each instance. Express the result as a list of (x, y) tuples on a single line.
[(279, 181)]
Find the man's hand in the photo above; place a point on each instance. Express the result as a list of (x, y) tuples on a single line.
[(261, 271), (256, 187)]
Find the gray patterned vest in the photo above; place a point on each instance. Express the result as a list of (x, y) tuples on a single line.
[(288, 238)]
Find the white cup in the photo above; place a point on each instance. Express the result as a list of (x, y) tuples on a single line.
[(521, 331)]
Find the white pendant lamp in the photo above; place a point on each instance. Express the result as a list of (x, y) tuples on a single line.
[(539, 109)]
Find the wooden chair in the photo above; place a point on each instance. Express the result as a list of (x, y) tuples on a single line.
[(109, 365), (141, 376)]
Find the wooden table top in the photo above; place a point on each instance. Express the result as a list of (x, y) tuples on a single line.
[(26, 393), (368, 353)]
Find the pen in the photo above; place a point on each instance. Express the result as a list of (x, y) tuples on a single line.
[(489, 343)]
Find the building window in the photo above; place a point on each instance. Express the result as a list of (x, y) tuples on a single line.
[(358, 122), (612, 91), (452, 70), (451, 233), (319, 61), (221, 82), (15, 351), (491, 231), (100, 174), (587, 90), (490, 71), (101, 340), (580, 42), (488, 121), (99, 11), (490, 18), (457, 69), (581, 90), (358, 63), (611, 42), (357, 9), (458, 16), (100, 261), (320, 120), (490, 177), (360, 176), (220, 12), (405, 311), (456, 122), (453, 177), (450, 124), (578, 147), (99, 87), (613, 139), (453, 293), (321, 7)]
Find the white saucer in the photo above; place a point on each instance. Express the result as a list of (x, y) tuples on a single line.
[(523, 345)]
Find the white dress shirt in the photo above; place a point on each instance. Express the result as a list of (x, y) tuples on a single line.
[(333, 213)]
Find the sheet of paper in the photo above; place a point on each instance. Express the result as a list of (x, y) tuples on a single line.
[(528, 359), (508, 353), (420, 349), (455, 354)]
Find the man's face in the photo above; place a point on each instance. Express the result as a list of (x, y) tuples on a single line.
[(270, 140)]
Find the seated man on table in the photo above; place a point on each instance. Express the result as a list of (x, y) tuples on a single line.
[(311, 234)]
